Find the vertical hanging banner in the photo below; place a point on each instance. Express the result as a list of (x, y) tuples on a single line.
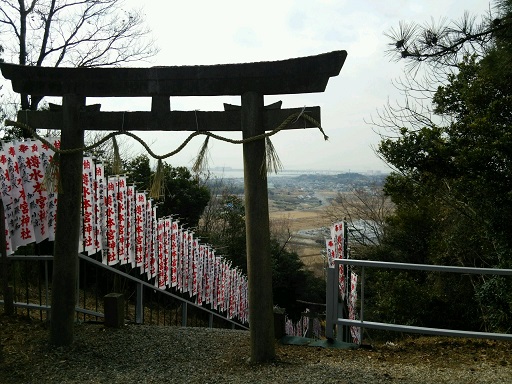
[(167, 250), (337, 235), (195, 269), (174, 252), (162, 272), (222, 281), (331, 253), (99, 209), (179, 267), (111, 221), (122, 224), (191, 256), (215, 286), (352, 301), (118, 221), (88, 204), (37, 197), (140, 232), (5, 185), (153, 255), (207, 275), (148, 235), (130, 224), (184, 257), (23, 230), (200, 275)]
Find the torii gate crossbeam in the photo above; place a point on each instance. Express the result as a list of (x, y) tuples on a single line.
[(251, 81)]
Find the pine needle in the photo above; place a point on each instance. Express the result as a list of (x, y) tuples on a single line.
[(201, 163), (157, 186)]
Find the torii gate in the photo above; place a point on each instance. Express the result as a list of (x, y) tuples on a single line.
[(251, 81)]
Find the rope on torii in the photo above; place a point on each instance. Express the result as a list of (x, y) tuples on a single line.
[(272, 164)]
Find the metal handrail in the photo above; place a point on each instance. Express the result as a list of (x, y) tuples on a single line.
[(334, 310), (138, 281)]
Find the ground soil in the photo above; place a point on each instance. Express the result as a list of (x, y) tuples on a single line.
[(21, 341)]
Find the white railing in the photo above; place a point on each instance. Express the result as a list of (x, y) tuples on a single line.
[(335, 313)]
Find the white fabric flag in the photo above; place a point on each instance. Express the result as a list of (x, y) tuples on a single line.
[(99, 209), (207, 273), (122, 223), (37, 196), (174, 252), (25, 229), (88, 204), (179, 267), (140, 232), (162, 272), (154, 245), (337, 234), (130, 224), (5, 186), (148, 234), (354, 331), (185, 249), (111, 221), (191, 251), (167, 250), (200, 275), (22, 231), (331, 253)]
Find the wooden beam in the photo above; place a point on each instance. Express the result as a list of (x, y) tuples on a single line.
[(167, 121), (292, 76)]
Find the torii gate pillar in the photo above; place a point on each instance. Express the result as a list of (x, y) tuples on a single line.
[(65, 267), (259, 266), (251, 81)]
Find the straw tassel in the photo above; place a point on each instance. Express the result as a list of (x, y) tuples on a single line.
[(272, 162), (201, 163), (157, 186), (51, 179), (117, 164)]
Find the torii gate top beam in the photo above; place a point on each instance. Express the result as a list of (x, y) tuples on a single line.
[(292, 76)]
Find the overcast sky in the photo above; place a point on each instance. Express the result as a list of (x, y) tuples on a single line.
[(197, 32)]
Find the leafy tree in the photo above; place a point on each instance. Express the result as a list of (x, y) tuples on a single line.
[(183, 195), (72, 33), (452, 186)]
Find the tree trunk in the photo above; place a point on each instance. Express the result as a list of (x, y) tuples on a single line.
[(65, 264), (259, 268), (23, 48)]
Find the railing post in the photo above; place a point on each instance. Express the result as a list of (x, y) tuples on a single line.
[(184, 308), (139, 310), (47, 291), (331, 304), (362, 295), (210, 320)]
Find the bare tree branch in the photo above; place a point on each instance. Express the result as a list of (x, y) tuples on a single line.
[(365, 210), (86, 33)]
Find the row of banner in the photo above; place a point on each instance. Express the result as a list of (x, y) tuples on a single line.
[(301, 327), (121, 223), (336, 249)]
